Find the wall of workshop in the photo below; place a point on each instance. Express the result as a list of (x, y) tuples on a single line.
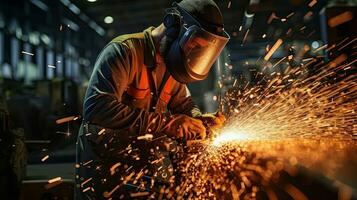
[(44, 64)]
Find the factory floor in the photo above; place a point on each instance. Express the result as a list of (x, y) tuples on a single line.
[(60, 163)]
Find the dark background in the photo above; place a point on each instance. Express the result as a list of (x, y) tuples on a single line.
[(66, 36)]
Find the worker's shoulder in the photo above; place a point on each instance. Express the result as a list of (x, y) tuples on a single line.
[(133, 37)]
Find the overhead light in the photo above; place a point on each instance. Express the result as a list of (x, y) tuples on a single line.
[(70, 24), (74, 8), (97, 28), (108, 19), (82, 16), (40, 5), (45, 39), (315, 44), (34, 38)]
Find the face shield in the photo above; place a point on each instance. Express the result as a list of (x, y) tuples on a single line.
[(194, 52), (201, 49)]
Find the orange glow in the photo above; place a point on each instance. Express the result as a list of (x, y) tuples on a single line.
[(273, 49)]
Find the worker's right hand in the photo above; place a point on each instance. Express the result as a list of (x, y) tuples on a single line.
[(181, 126)]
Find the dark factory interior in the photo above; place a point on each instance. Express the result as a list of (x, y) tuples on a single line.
[(283, 88)]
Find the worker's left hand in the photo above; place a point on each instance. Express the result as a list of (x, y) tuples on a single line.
[(213, 120)]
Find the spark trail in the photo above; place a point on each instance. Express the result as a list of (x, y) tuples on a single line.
[(304, 116)]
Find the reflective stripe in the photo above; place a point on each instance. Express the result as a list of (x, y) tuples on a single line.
[(144, 82), (137, 93), (165, 94), (143, 88)]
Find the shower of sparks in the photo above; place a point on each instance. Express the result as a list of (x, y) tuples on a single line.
[(64, 133), (145, 137), (320, 48), (245, 37), (53, 180), (45, 158), (303, 116), (27, 53), (230, 136), (312, 3), (290, 15), (101, 131), (340, 19), (277, 63), (139, 194), (297, 116), (67, 119), (350, 42), (302, 28), (273, 49), (272, 17), (308, 15), (85, 182)]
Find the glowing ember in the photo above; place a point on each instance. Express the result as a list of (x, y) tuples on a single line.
[(230, 136), (340, 19), (53, 180), (45, 158), (67, 119), (273, 49)]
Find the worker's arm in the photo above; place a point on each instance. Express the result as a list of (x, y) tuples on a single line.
[(181, 102), (103, 105)]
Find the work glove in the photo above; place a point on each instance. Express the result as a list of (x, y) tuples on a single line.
[(213, 120), (183, 126)]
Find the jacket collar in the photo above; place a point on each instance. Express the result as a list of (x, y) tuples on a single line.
[(150, 55)]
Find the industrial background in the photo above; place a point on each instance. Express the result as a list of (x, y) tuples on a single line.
[(48, 49)]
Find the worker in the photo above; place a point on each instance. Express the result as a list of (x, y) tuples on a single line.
[(137, 106)]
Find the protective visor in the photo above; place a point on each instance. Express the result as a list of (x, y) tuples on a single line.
[(201, 49)]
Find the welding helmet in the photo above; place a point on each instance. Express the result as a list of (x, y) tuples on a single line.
[(195, 49)]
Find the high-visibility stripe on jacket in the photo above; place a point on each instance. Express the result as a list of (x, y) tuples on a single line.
[(142, 91)]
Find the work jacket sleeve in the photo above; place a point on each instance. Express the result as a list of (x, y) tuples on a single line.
[(103, 102), (182, 103)]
